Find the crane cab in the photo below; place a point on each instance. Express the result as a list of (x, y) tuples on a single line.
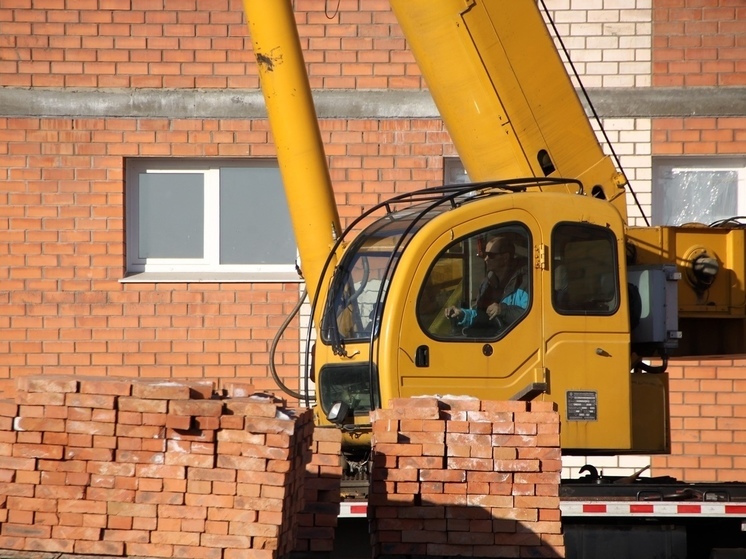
[(562, 334)]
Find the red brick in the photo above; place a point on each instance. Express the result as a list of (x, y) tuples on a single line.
[(76, 533), (206, 408), (90, 401), (149, 550), (137, 404), (26, 531), (110, 468), (110, 495), (40, 399), (47, 383), (427, 409), (191, 552), (82, 506), (90, 427), (59, 492), (206, 423), (251, 408), (327, 434), (140, 457), (99, 548), (160, 390), (213, 474), (49, 545), (158, 419), (126, 535), (140, 431), (267, 425), (499, 406), (180, 422), (106, 386), (168, 511), (232, 422), (161, 471), (8, 408), (39, 424), (189, 460), (131, 509), (12, 542), (92, 454)]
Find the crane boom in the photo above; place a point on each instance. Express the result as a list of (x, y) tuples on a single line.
[(504, 94), (300, 152)]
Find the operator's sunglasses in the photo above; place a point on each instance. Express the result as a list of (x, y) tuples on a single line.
[(492, 255)]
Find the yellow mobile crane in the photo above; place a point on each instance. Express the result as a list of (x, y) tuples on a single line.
[(596, 296), (590, 296)]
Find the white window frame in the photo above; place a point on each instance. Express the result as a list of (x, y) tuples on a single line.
[(205, 269)]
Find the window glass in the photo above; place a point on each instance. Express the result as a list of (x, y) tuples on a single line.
[(253, 203), (163, 232), (209, 216), (479, 287), (701, 190), (454, 171), (363, 275), (584, 270)]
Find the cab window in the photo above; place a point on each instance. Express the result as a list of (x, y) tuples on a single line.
[(479, 286), (584, 270)]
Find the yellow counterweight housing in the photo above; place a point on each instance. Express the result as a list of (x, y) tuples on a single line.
[(504, 94), (712, 289)]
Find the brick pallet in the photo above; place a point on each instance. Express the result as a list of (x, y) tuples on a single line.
[(463, 477), (131, 467)]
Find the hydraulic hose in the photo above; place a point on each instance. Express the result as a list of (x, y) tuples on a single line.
[(273, 351)]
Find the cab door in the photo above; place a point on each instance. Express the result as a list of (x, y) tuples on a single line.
[(486, 359)]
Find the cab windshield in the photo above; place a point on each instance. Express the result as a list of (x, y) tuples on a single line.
[(359, 286)]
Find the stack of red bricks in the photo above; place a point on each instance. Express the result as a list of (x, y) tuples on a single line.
[(131, 467), (463, 477), (318, 520)]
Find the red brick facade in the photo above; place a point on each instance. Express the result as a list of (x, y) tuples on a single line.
[(64, 310), (699, 43)]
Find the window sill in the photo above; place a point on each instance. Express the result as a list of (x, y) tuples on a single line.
[(211, 277)]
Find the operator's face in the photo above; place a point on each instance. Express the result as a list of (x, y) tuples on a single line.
[(497, 255)]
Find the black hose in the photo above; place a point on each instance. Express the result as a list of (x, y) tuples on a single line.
[(273, 350)]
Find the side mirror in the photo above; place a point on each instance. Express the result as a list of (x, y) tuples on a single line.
[(338, 412)]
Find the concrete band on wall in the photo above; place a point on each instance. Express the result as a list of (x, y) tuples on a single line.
[(383, 104)]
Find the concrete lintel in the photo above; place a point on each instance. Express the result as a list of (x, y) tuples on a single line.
[(375, 104)]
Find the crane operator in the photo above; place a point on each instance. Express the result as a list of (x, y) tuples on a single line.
[(503, 294)]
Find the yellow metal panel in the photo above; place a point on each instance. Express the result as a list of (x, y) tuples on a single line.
[(712, 318), (584, 357), (503, 91)]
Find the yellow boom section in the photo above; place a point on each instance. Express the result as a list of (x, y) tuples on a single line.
[(292, 117), (504, 94)]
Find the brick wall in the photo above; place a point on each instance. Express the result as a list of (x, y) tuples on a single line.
[(62, 307), (699, 136), (192, 44), (708, 421), (699, 43)]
